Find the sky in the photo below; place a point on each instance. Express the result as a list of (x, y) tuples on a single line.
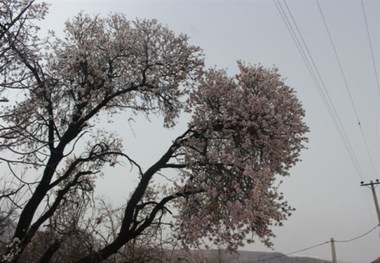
[(325, 187)]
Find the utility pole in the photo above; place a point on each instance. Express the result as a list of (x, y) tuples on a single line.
[(333, 252), (372, 185)]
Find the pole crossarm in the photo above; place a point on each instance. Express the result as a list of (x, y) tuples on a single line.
[(372, 184)]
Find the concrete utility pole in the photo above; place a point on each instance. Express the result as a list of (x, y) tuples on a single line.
[(372, 185), (333, 252)]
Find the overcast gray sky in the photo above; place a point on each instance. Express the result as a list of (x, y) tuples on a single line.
[(325, 186)]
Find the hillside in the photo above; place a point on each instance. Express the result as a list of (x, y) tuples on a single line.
[(215, 256)]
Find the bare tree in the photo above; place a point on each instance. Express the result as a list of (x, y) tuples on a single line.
[(244, 131)]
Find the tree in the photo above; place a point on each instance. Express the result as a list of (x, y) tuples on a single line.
[(244, 132), (16, 30)]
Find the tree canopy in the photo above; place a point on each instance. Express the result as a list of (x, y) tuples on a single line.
[(244, 132)]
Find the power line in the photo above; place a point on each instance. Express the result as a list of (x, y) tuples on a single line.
[(318, 81), (338, 61), (328, 102), (300, 50), (320, 85), (371, 49), (294, 252), (320, 244), (347, 88), (357, 237)]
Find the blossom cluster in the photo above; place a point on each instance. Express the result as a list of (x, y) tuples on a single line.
[(247, 130)]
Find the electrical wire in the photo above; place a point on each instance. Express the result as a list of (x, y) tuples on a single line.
[(347, 88), (358, 237), (320, 244), (318, 81), (320, 85), (316, 77), (328, 102), (371, 48), (294, 252), (334, 115)]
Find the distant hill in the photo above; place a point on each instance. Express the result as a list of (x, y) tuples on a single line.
[(215, 256)]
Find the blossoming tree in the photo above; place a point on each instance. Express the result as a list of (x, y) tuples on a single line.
[(244, 132)]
